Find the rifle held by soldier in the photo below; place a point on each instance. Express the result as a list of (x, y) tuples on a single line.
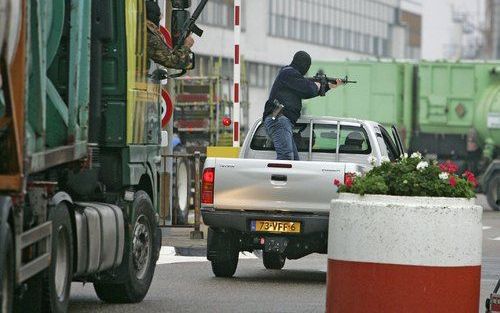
[(183, 24), (324, 80)]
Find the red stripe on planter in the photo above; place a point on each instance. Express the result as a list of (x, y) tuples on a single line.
[(237, 16), (236, 54), (236, 92), (236, 133), (356, 287)]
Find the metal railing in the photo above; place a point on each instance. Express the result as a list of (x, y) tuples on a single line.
[(167, 196)]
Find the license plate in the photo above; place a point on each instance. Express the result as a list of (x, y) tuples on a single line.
[(275, 226)]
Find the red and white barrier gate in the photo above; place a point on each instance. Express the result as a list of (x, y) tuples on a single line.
[(404, 254)]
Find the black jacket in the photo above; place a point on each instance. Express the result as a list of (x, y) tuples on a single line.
[(290, 87)]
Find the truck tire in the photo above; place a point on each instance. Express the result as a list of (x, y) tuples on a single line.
[(139, 260), (493, 193), (181, 187), (222, 253), (57, 278), (182, 190), (273, 260), (7, 295)]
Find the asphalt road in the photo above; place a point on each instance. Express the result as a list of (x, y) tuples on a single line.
[(186, 284)]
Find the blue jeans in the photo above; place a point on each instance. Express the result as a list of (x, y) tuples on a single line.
[(281, 132)]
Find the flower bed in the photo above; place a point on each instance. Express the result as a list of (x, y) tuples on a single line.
[(402, 235), (412, 176)]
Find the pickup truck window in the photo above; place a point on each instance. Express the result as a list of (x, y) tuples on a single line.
[(262, 142), (353, 139)]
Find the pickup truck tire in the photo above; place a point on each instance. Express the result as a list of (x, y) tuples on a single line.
[(225, 258), (139, 258), (7, 296), (273, 260), (58, 276), (493, 190)]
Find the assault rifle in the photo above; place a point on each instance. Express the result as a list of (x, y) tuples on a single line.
[(183, 25), (324, 80)]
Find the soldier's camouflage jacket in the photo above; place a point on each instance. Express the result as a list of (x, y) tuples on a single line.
[(160, 53)]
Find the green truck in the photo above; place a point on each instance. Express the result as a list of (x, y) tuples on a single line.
[(446, 110), (80, 141)]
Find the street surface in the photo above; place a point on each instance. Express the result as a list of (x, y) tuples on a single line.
[(186, 283)]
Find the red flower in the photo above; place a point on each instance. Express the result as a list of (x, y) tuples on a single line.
[(453, 181), (448, 167), (470, 178), (348, 181), (336, 182)]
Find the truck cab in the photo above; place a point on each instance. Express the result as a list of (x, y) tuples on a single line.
[(80, 153)]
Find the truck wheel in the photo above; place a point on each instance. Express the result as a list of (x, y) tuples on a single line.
[(58, 277), (182, 190), (139, 260), (7, 295), (273, 260), (493, 193), (222, 253)]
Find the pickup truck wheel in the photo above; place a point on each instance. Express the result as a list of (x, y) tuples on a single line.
[(58, 277), (139, 259), (225, 268), (273, 260), (225, 260), (493, 193)]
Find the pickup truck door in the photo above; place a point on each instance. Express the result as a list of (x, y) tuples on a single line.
[(270, 185), (397, 138)]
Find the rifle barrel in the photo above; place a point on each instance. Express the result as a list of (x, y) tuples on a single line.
[(199, 9)]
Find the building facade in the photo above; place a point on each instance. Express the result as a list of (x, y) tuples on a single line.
[(273, 30), (492, 42)]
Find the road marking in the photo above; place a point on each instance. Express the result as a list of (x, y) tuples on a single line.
[(168, 256), (496, 238), (486, 227)]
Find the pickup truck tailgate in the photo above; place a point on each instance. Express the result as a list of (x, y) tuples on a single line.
[(269, 185)]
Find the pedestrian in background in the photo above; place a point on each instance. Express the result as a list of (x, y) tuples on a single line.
[(289, 88)]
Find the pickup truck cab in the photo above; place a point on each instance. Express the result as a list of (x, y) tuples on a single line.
[(256, 202)]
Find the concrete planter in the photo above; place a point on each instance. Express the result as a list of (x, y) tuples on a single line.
[(404, 254)]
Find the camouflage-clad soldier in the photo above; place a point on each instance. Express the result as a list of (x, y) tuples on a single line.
[(158, 51)]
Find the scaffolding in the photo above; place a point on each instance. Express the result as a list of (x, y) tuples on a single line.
[(201, 104)]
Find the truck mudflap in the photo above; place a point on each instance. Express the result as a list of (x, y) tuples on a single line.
[(241, 221)]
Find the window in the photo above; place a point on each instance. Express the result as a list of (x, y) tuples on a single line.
[(262, 142), (325, 138), (219, 13), (353, 139), (349, 25)]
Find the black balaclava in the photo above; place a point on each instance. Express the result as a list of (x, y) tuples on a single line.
[(301, 62), (153, 12)]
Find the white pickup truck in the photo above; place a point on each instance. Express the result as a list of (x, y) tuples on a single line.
[(281, 207)]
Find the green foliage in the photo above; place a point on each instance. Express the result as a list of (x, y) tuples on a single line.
[(411, 176)]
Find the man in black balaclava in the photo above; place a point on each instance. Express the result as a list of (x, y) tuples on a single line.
[(158, 51), (289, 88)]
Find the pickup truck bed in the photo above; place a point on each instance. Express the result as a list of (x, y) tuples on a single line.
[(274, 186)]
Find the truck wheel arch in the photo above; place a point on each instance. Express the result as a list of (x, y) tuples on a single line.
[(146, 185)]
